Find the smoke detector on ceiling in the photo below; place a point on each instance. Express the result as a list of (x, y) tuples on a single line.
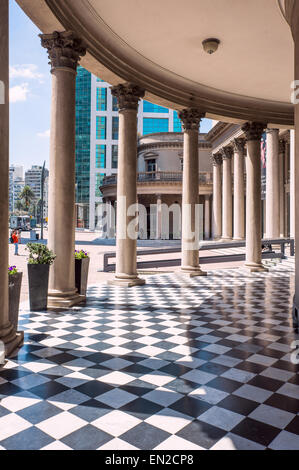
[(210, 45)]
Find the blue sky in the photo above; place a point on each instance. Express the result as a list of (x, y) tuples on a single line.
[(30, 93)]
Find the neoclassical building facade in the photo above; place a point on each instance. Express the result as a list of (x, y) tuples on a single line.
[(222, 182)]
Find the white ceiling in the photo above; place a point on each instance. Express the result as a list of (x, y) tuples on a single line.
[(255, 57)]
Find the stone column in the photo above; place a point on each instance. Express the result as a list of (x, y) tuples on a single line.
[(227, 198), (8, 335), (217, 197), (128, 96), (281, 188), (272, 185), (64, 51), (159, 218), (190, 118), (207, 228), (292, 182), (239, 190), (253, 132)]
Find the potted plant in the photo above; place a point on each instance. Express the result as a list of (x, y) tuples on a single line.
[(81, 270), (39, 262), (14, 286)]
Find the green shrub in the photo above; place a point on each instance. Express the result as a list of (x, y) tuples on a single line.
[(40, 254)]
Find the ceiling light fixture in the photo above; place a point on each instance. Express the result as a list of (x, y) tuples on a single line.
[(210, 45)]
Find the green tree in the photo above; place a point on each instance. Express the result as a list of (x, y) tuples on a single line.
[(19, 206), (27, 196)]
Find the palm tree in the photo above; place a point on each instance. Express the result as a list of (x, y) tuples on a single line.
[(19, 206), (27, 196)]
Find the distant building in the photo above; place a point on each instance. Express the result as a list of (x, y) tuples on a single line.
[(33, 178), (16, 185)]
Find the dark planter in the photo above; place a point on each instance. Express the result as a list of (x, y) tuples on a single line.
[(14, 286), (81, 274), (38, 279)]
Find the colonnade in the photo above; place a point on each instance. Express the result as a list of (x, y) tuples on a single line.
[(65, 50)]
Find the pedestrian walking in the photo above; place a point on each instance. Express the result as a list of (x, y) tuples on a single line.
[(15, 237)]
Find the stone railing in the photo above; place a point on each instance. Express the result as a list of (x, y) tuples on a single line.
[(161, 176)]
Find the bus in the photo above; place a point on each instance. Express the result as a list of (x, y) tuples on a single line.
[(20, 222)]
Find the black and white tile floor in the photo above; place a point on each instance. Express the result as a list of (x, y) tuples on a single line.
[(175, 364)]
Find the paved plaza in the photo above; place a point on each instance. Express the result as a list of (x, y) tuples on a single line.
[(175, 364)]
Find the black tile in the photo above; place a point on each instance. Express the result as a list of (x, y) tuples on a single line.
[(94, 388), (213, 368), (201, 434), (256, 431), (293, 426), (251, 367), (266, 383), (225, 385), (87, 438), (144, 436), (239, 405), (48, 390), (190, 406), (141, 408), (30, 439), (283, 402), (39, 412)]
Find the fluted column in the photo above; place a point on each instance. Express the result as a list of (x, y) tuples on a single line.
[(159, 217), (207, 228), (227, 201), (64, 50), (128, 96), (190, 200), (217, 197), (253, 133), (282, 147), (239, 189), (272, 185), (8, 335)]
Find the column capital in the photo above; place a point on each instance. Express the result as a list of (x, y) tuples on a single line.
[(227, 153), (253, 130), (272, 131), (128, 95), (216, 159), (190, 118), (239, 145), (64, 49)]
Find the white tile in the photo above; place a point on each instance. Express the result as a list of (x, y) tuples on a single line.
[(16, 403), (117, 444), (117, 351), (198, 376), (61, 425), (12, 424), (56, 445), (169, 420), (238, 375), (151, 351), (209, 394), (272, 416), (233, 442), (157, 378), (163, 396), (221, 418), (116, 398), (116, 363), (291, 390), (38, 366), (285, 441), (116, 423), (253, 393), (177, 443), (263, 360), (116, 378)]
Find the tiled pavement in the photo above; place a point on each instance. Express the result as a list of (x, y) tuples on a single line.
[(175, 364)]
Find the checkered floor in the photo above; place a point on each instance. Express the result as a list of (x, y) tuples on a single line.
[(175, 364)]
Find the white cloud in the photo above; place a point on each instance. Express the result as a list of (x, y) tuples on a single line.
[(45, 134), (18, 93), (28, 71)]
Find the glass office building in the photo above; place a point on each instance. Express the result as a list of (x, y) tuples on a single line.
[(97, 139)]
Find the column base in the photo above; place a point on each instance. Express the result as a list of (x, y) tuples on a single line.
[(239, 239), (255, 267), (12, 341), (126, 281), (295, 313), (191, 271), (64, 300), (225, 239)]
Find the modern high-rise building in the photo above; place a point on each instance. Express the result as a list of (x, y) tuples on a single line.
[(33, 178), (16, 185), (97, 139)]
